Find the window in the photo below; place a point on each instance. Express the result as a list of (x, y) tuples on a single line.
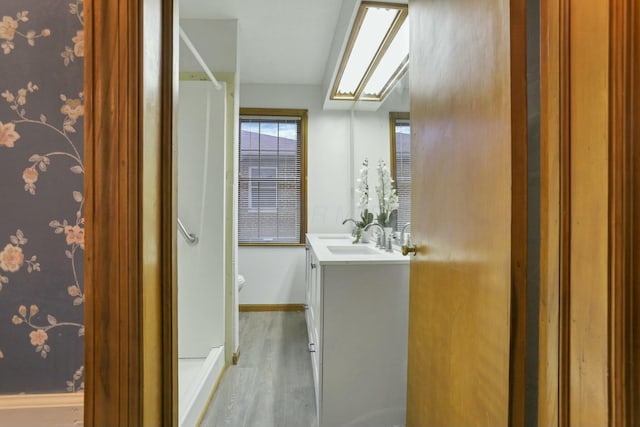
[(401, 164), (271, 199), (263, 193)]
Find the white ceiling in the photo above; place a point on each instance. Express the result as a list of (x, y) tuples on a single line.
[(279, 41)]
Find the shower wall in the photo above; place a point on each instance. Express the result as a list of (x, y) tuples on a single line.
[(41, 193), (217, 42), (201, 195)]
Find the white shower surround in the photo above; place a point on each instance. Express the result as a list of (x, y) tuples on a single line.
[(201, 290)]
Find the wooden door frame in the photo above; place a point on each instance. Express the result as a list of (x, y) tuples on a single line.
[(130, 215), (549, 369), (519, 213), (130, 349), (624, 213), (623, 388)]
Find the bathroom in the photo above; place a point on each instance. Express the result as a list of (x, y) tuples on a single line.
[(338, 141), (339, 138), (339, 135)]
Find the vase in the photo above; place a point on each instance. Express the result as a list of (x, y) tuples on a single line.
[(364, 235), (361, 235)]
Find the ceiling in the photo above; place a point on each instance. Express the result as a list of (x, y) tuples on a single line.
[(279, 41)]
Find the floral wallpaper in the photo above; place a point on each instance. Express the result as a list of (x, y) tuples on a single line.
[(41, 199)]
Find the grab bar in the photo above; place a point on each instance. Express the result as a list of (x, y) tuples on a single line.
[(191, 238)]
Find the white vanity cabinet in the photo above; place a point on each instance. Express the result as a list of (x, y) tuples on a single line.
[(357, 321), (313, 309)]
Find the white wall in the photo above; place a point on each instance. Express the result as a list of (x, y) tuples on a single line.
[(216, 42), (275, 275)]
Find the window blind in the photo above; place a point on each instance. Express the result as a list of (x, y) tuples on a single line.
[(402, 177), (270, 199)]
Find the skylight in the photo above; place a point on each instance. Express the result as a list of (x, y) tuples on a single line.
[(377, 53)]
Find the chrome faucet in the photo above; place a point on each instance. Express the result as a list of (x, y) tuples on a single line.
[(355, 225), (350, 220), (381, 236), (402, 233)]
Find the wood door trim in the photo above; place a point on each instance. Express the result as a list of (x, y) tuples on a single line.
[(618, 210), (519, 212), (169, 83), (549, 214), (270, 307), (112, 353), (634, 274), (564, 368), (623, 338), (633, 279), (129, 346), (623, 213)]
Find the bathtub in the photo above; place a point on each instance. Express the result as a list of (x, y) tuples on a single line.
[(197, 380)]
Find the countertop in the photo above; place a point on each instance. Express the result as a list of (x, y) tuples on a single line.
[(338, 249)]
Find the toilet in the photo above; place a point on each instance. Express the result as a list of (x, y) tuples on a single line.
[(241, 282)]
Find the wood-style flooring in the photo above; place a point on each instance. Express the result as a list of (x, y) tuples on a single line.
[(272, 384)]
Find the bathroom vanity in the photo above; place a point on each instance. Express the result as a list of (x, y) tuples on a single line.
[(357, 322)]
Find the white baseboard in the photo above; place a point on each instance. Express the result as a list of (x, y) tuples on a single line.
[(59, 409)]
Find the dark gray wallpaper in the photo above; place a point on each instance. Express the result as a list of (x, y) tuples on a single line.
[(41, 196)]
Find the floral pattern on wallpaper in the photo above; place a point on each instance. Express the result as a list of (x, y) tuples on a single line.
[(10, 28), (42, 209)]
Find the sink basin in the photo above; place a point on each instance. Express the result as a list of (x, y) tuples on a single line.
[(334, 237), (353, 250)]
